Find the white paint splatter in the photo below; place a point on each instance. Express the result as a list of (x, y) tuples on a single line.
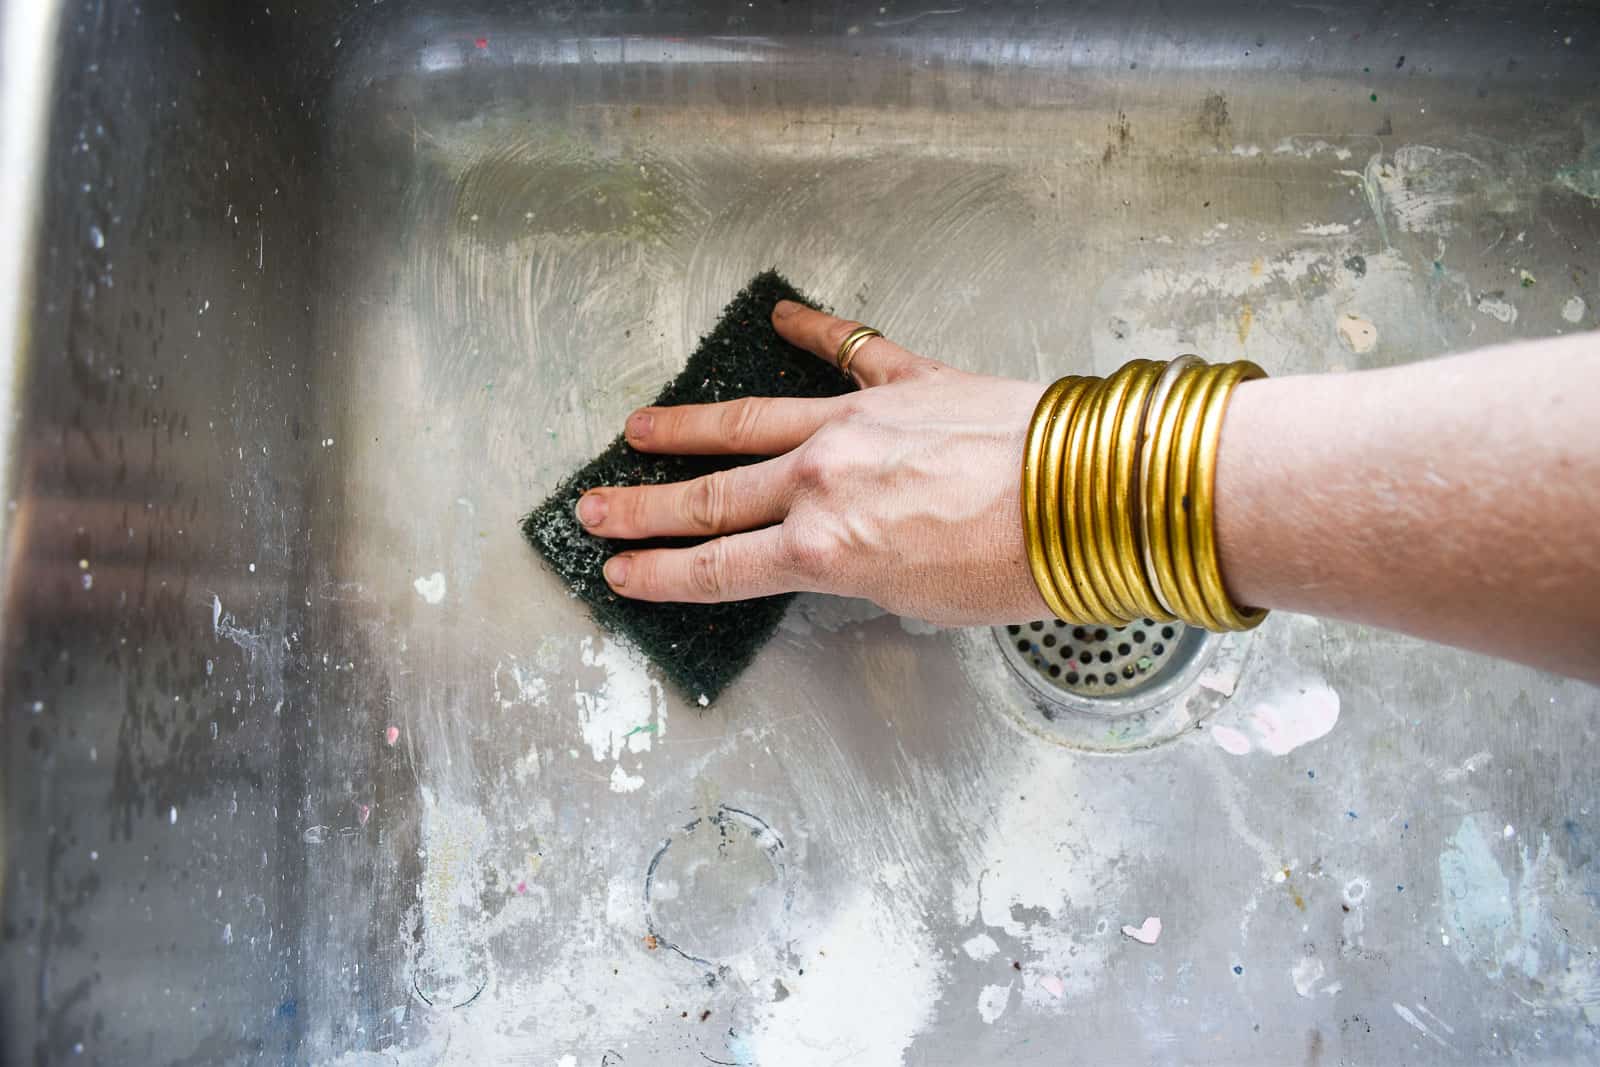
[(1422, 185), (1468, 766), (1145, 933), (1496, 308), (980, 947), (430, 587), (623, 782), (227, 933), (1573, 310), (992, 1002), (863, 1002), (568, 1060), (1248, 151), (1292, 716), (172, 816), (626, 710), (1306, 974), (1357, 333), (1326, 229), (517, 683), (1410, 1017)]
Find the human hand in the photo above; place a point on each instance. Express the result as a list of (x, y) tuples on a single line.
[(905, 493)]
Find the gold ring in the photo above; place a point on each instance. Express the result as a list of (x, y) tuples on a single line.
[(852, 344)]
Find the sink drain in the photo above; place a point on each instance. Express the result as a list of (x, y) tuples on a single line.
[(1095, 661), (1116, 688)]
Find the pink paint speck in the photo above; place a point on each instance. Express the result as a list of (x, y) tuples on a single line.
[(363, 813), (1053, 985), (482, 42), (391, 736), (522, 887)]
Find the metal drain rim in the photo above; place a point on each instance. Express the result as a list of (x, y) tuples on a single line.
[(1200, 679)]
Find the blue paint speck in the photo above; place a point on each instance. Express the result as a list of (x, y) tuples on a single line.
[(1399, 889), (1352, 814), (1311, 774), (288, 1009), (1237, 969)]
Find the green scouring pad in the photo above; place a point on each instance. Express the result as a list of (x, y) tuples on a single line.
[(700, 647)]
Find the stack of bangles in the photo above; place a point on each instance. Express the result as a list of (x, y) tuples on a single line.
[(1118, 483)]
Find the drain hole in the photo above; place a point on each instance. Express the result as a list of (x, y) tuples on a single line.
[(1036, 626), (1055, 670), (1105, 657), (1013, 630), (1123, 649), (1158, 648), (1138, 637), (1049, 640), (1111, 679), (1166, 631), (1072, 677), (1023, 646), (1066, 651), (1100, 635)]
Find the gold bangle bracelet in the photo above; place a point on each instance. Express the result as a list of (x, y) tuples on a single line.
[(1125, 533), (1033, 536), (1147, 454), (1119, 494), (1156, 490), (1180, 504), (1082, 567), (1059, 527), (1101, 542), (1203, 487)]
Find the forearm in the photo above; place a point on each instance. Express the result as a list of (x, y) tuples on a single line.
[(1456, 499)]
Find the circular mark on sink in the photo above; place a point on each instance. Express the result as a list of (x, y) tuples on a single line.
[(717, 885), (450, 986)]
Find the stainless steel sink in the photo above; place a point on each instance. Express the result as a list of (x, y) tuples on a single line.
[(309, 760)]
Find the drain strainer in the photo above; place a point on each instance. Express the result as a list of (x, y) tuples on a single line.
[(1094, 661), (1116, 688)]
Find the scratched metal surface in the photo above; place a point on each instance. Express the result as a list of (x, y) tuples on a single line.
[(307, 760)]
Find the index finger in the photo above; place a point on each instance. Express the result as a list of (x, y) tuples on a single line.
[(876, 362)]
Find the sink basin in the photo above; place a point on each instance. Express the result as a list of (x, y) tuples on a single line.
[(309, 760)]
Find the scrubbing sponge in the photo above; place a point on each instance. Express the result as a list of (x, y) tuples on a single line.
[(699, 647)]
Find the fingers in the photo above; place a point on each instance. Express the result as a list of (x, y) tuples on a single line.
[(741, 567), (876, 362), (740, 498), (752, 426)]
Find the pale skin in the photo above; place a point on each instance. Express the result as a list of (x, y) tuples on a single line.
[(1455, 499)]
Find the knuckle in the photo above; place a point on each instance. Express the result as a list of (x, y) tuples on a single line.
[(740, 421), (812, 464), (812, 552), (703, 502), (706, 568)]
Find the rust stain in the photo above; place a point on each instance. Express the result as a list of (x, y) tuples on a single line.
[(1247, 316)]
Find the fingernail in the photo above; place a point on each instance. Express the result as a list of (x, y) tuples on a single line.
[(784, 309), (617, 571), (639, 424), (591, 509)]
